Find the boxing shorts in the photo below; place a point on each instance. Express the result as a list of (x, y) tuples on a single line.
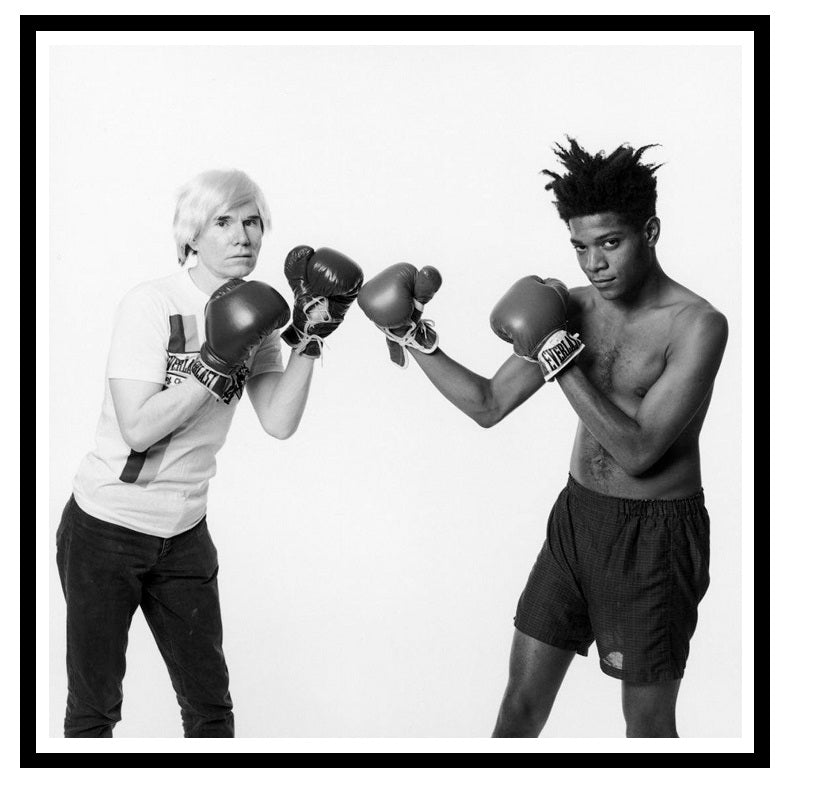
[(627, 574)]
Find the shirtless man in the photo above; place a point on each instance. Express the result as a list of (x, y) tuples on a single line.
[(625, 562)]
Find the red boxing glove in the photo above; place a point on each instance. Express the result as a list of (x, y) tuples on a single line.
[(532, 315), (238, 316), (325, 283), (394, 300)]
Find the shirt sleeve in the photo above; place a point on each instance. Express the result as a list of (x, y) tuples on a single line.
[(268, 356), (139, 342)]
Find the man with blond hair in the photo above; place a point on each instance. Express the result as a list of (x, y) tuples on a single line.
[(134, 532)]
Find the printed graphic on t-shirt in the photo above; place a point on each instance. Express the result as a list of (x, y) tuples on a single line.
[(142, 467), (183, 348)]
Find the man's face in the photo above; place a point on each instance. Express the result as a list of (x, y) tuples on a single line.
[(228, 245), (612, 254)]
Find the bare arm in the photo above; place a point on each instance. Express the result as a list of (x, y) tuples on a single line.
[(146, 412), (638, 442), (279, 398), (486, 400)]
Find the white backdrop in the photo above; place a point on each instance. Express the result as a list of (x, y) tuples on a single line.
[(370, 566)]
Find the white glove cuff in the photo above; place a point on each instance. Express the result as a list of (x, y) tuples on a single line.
[(559, 350)]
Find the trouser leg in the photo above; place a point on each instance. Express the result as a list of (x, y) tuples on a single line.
[(180, 600), (99, 574)]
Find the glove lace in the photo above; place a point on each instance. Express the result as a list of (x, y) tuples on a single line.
[(408, 338), (317, 311), (304, 342)]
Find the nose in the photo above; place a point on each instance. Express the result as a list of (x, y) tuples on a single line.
[(240, 235), (595, 260)]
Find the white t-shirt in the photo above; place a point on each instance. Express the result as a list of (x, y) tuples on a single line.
[(158, 330)]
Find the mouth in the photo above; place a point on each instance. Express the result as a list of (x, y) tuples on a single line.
[(603, 282)]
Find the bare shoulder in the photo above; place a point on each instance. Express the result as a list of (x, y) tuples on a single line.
[(580, 299), (696, 319), (692, 310)]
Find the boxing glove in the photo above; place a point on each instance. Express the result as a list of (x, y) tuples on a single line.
[(532, 315), (238, 316), (394, 300), (325, 283)]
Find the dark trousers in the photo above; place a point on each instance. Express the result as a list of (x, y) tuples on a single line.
[(106, 572)]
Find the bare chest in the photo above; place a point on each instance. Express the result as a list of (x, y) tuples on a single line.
[(623, 360)]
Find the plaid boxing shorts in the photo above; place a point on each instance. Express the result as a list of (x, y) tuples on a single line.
[(625, 573)]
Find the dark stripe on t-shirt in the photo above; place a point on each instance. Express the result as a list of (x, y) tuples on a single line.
[(135, 463), (176, 340)]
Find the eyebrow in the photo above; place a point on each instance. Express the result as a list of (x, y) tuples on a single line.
[(244, 218), (600, 238)]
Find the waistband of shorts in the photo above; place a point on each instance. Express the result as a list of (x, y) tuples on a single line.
[(603, 504)]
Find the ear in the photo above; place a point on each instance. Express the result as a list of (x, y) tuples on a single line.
[(651, 231)]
